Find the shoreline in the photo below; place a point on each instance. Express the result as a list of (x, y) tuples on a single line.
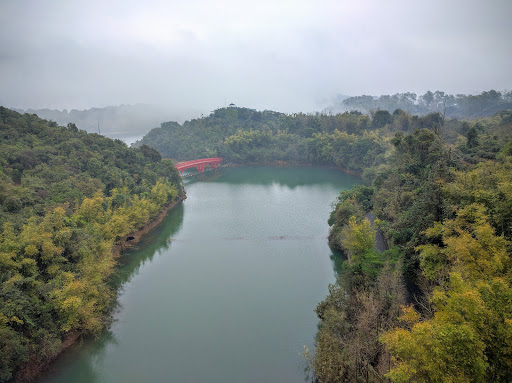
[(133, 238), (31, 370)]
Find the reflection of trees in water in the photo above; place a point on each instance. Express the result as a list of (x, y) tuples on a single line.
[(86, 356), (337, 258), (95, 349), (155, 241), (286, 176)]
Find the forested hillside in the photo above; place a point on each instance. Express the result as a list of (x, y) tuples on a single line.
[(66, 199), (351, 141), (459, 106), (436, 306)]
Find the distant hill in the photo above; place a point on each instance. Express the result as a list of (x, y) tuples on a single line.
[(112, 121), (243, 135), (458, 106)]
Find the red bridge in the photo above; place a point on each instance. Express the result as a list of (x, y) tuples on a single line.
[(198, 164)]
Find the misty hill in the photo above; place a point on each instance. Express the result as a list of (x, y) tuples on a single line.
[(112, 121), (459, 106)]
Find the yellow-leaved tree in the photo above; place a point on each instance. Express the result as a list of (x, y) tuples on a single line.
[(469, 337)]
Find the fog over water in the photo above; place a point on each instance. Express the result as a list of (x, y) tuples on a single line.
[(289, 56)]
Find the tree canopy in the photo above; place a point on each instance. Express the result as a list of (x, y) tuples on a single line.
[(436, 306)]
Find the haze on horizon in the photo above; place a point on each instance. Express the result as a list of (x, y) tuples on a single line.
[(281, 55)]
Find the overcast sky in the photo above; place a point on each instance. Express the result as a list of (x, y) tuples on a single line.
[(264, 54)]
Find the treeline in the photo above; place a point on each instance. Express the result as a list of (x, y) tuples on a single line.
[(436, 306), (66, 199), (351, 141), (459, 106)]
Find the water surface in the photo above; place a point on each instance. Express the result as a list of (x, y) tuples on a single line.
[(224, 289)]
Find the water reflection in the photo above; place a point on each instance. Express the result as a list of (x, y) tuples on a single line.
[(156, 241), (337, 258), (290, 177)]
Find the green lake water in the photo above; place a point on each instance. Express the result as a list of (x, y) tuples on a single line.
[(224, 289)]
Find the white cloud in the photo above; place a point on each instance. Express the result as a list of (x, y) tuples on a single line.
[(272, 54)]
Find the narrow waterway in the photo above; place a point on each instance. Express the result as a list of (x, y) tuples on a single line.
[(224, 289)]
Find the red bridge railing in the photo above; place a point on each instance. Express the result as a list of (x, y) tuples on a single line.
[(198, 164)]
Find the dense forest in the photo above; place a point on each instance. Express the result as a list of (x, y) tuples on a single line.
[(436, 306), (460, 106), (67, 198)]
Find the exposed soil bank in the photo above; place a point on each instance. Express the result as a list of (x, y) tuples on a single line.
[(32, 369)]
